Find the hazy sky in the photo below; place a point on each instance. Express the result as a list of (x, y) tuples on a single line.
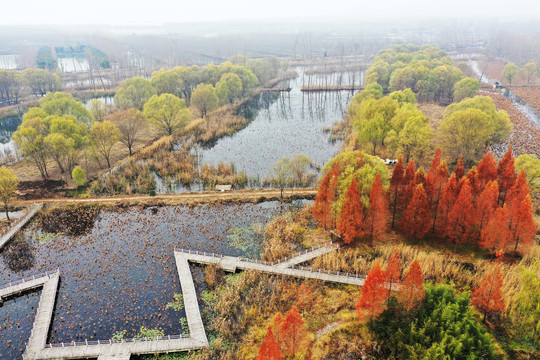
[(155, 12)]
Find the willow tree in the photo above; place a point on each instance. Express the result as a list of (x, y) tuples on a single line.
[(8, 185), (167, 112)]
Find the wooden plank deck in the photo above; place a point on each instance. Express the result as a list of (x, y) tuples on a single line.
[(32, 283), (38, 349), (231, 263), (308, 255), (32, 211), (42, 322)]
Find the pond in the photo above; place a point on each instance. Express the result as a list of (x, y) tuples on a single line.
[(121, 273), (107, 100), (8, 126), (73, 64), (284, 124), (8, 62)]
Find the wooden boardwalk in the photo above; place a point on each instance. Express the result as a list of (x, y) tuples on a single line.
[(38, 349), (42, 322), (287, 268), (307, 255), (17, 287), (32, 211)]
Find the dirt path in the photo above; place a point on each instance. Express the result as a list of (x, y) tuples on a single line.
[(240, 195)]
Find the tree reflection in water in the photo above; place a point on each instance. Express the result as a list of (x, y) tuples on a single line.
[(18, 255)]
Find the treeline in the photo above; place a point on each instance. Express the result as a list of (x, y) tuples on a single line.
[(527, 72), (427, 70), (15, 85), (488, 207), (63, 130), (393, 124)]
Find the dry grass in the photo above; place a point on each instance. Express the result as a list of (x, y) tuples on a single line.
[(434, 113)]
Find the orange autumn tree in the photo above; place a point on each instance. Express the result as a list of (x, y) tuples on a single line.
[(461, 220), (416, 220), (393, 270), (496, 234), (459, 170), (487, 170), (522, 226), (269, 349), (351, 221), (277, 324), (487, 296), (474, 183), (330, 221), (371, 302), (378, 210), (321, 200), (448, 199), (408, 183), (439, 183), (432, 174), (293, 332), (412, 292), (506, 174), (396, 186), (517, 193), (487, 204)]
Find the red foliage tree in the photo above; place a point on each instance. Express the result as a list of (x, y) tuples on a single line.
[(293, 332), (487, 170), (332, 193), (321, 200), (420, 178), (459, 170), (506, 174), (374, 294), (487, 204), (408, 183), (304, 297), (459, 227), (432, 174), (448, 199), (393, 270), (378, 210), (416, 220), (496, 234), (487, 296), (269, 349), (474, 182), (277, 324), (439, 182), (522, 226), (396, 186), (351, 221), (412, 291), (518, 192)]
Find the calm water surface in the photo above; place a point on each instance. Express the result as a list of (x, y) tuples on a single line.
[(121, 274)]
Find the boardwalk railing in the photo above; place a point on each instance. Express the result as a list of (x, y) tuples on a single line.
[(313, 248), (34, 277), (117, 341), (285, 259), (196, 252), (329, 272), (187, 251)]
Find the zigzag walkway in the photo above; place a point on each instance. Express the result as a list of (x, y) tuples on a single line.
[(288, 268), (122, 349), (32, 211), (38, 349)]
